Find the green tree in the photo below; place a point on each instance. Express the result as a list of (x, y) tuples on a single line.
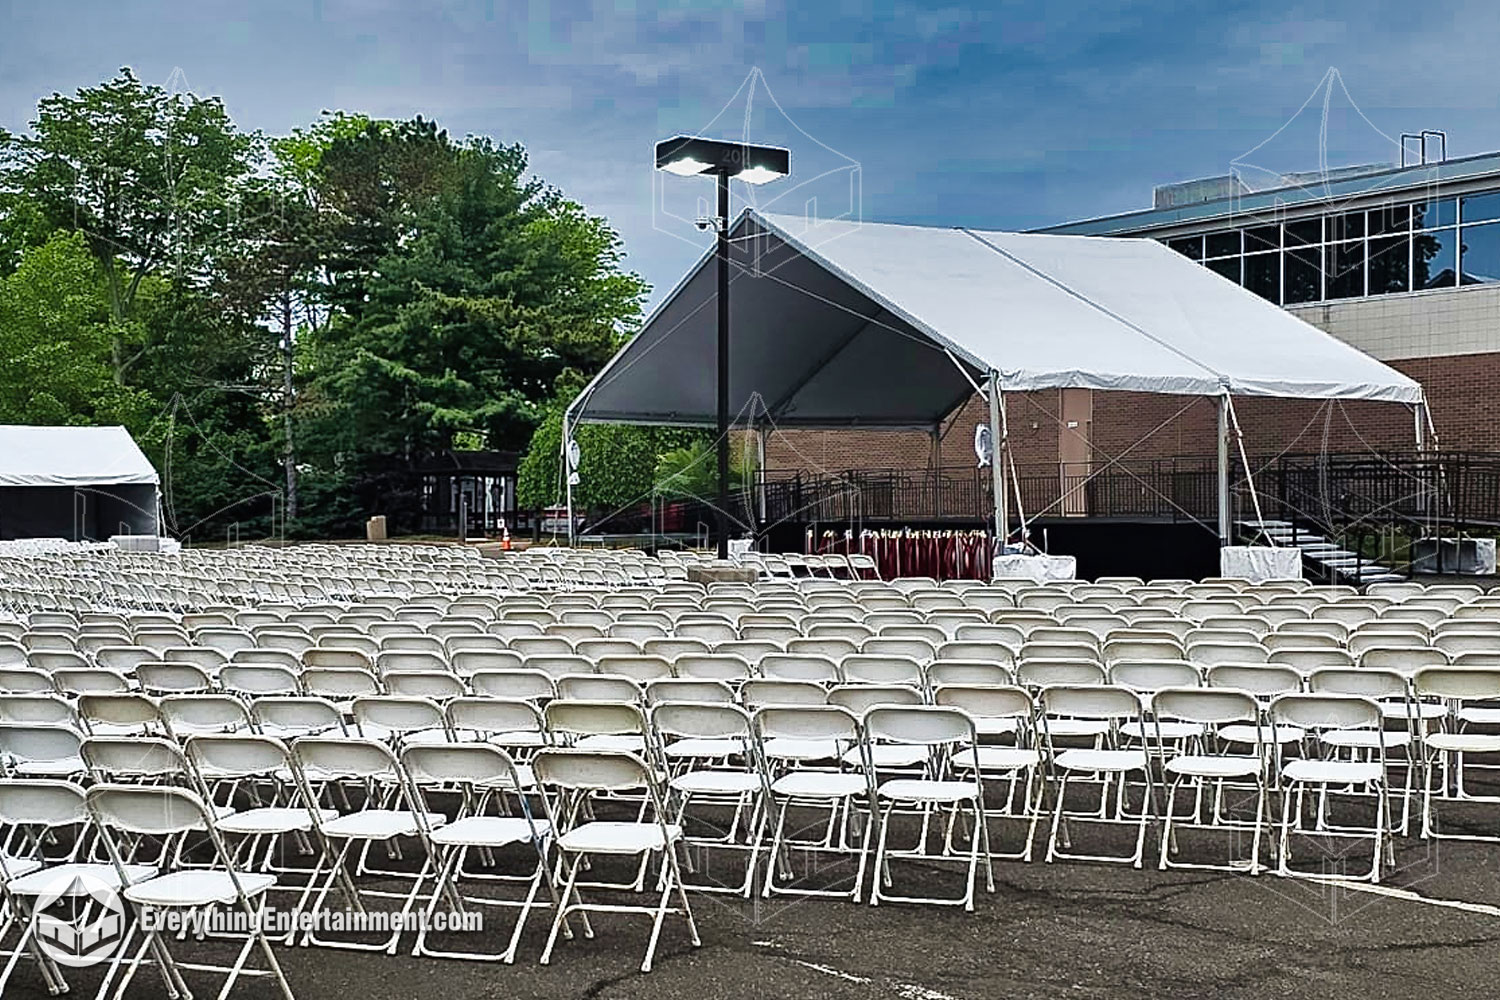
[(146, 175), (54, 337)]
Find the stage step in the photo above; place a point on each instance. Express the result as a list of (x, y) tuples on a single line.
[(1337, 561)]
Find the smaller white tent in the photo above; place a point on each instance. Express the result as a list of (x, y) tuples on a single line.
[(75, 482)]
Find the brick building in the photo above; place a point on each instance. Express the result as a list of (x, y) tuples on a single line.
[(1402, 262)]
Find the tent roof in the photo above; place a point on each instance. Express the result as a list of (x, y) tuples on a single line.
[(72, 456), (842, 323)]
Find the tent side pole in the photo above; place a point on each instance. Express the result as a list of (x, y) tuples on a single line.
[(567, 472), (1224, 526), (997, 463)]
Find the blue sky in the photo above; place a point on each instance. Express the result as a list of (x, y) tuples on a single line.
[(1003, 115)]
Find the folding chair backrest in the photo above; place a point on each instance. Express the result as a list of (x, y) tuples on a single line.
[(151, 810), (599, 687), (1207, 706), (1458, 683), (41, 802), (1151, 675), (217, 757), (868, 668), (807, 722), (400, 715), (1044, 673), (292, 715), (188, 713), (1089, 702), (967, 672), (925, 725), (39, 743), (494, 716), (986, 702), (859, 698), (1407, 660), (1326, 711), (701, 721), (527, 684), (583, 770), (1308, 660), (678, 690), (343, 758), (1366, 682), (478, 765), (594, 718), (800, 667), (112, 758), (759, 693)]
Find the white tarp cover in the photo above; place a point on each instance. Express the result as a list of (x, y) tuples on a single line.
[(1037, 569), (1260, 563), (72, 456), (840, 323)]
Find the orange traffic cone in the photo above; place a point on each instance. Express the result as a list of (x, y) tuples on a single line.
[(504, 537)]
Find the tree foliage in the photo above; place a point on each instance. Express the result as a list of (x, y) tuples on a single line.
[(297, 319)]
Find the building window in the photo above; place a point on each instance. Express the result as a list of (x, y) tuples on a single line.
[(1304, 232), (1390, 258), (1480, 208), (1434, 214), (1434, 258), (1304, 275), (1190, 247), (1222, 244), (1229, 267), (1346, 269), (1480, 254), (1263, 275)]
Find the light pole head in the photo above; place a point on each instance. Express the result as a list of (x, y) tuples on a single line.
[(689, 156)]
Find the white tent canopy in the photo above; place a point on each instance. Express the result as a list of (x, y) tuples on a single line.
[(837, 324), (72, 456)]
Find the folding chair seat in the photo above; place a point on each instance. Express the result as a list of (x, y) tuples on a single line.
[(795, 740), (1108, 766), (933, 733), (387, 813), (483, 775), (578, 776), (1327, 777)]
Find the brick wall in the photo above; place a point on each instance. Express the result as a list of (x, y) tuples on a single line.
[(1463, 392)]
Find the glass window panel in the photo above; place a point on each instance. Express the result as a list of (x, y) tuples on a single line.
[(1189, 246), (1438, 212), (1480, 254), (1389, 219), (1262, 238), (1346, 270), (1480, 207), (1304, 231), (1434, 258), (1222, 244), (1349, 226), (1390, 264), (1229, 267), (1263, 275), (1304, 275)]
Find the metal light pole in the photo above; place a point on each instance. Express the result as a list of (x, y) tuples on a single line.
[(722, 457), (689, 156)]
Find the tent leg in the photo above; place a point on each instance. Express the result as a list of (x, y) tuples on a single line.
[(935, 461), (760, 467), (567, 474), (997, 464), (1224, 526)]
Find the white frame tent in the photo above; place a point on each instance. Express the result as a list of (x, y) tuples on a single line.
[(75, 482), (874, 325)]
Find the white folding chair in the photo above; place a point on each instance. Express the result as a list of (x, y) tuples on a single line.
[(577, 777), (940, 731)]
